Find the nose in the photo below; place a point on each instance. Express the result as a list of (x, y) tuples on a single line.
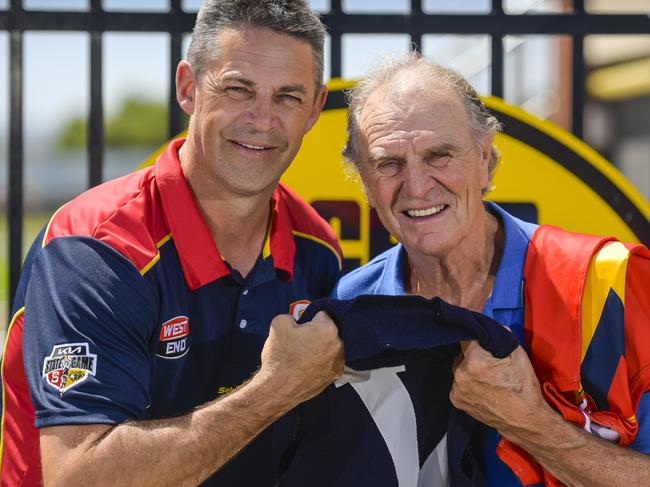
[(417, 182), (259, 114)]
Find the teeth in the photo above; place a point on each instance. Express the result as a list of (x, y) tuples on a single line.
[(250, 146), (429, 211)]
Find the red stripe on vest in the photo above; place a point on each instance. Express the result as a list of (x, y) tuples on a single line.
[(636, 321)]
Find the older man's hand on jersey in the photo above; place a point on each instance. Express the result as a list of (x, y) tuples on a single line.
[(502, 393), (303, 359)]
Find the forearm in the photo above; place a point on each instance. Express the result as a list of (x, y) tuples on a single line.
[(297, 363), (511, 402), (575, 457), (178, 451)]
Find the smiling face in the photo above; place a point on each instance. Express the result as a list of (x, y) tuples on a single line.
[(250, 109), (421, 168)]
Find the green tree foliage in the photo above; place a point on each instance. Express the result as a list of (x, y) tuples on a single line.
[(138, 123), (73, 134)]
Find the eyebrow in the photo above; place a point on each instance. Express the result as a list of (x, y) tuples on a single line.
[(299, 88), (244, 81), (384, 156), (443, 147)]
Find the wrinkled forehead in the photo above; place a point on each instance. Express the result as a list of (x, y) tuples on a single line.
[(251, 50), (412, 113)]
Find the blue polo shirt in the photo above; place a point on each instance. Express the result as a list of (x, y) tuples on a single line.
[(127, 311), (383, 275)]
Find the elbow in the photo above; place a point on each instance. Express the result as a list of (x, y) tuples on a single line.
[(70, 456)]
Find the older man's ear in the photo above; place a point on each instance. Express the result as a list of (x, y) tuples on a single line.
[(365, 192), (486, 156)]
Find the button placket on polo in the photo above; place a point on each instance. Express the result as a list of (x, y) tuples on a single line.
[(248, 306), (245, 308)]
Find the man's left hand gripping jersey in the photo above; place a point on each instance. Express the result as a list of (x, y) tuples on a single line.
[(354, 434)]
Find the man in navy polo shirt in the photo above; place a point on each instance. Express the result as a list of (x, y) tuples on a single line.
[(421, 140), (146, 302)]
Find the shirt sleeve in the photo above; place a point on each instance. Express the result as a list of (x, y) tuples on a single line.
[(89, 317)]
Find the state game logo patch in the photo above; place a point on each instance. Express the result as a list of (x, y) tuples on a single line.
[(297, 308), (68, 366), (173, 338)]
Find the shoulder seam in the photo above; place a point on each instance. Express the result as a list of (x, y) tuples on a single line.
[(47, 229), (107, 219), (113, 249), (322, 242), (96, 227), (156, 258)]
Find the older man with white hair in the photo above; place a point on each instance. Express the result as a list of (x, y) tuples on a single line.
[(422, 142)]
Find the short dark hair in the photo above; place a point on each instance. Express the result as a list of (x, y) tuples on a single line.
[(291, 17)]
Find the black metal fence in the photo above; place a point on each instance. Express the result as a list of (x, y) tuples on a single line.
[(497, 24)]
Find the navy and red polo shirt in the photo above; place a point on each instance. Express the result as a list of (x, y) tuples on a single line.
[(127, 311)]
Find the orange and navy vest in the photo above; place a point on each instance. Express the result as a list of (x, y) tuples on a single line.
[(586, 316)]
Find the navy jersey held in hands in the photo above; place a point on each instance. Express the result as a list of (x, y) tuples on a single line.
[(388, 420)]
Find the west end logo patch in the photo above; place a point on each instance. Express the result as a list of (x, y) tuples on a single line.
[(173, 338), (68, 365), (297, 308)]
